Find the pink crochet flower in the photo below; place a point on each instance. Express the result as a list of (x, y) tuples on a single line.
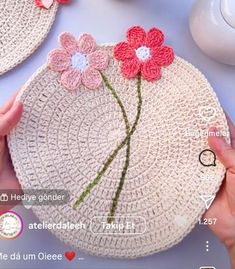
[(80, 61), (143, 53), (48, 3)]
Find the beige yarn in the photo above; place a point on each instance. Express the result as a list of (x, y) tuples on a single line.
[(64, 137), (23, 27)]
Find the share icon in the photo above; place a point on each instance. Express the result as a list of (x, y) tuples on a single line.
[(208, 200)]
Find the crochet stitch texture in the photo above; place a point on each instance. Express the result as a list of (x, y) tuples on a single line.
[(22, 31)]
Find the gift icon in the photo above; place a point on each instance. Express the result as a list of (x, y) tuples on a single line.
[(4, 197)]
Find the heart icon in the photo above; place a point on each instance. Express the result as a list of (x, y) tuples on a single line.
[(207, 113), (70, 255)]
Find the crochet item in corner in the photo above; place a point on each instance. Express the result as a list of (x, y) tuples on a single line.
[(109, 124), (25, 30)]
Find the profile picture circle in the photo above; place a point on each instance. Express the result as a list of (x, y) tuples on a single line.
[(11, 225)]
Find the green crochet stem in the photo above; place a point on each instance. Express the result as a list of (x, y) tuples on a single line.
[(127, 162), (115, 95), (111, 158), (115, 152), (121, 183), (128, 150)]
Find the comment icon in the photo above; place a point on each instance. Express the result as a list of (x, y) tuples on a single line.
[(207, 158)]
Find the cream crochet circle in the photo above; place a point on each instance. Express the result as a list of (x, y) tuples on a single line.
[(23, 27), (64, 137)]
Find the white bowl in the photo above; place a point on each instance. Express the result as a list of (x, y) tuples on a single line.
[(212, 32)]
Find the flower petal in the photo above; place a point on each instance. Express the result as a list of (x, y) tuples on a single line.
[(155, 38), (71, 79), (98, 59), (68, 42), (91, 78), (136, 36), (163, 56), (130, 68), (86, 44), (123, 51), (63, 1), (151, 71), (44, 3), (58, 60)]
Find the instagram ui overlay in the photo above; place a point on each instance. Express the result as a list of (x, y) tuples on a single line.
[(68, 256), (98, 225), (121, 225), (11, 225), (29, 198)]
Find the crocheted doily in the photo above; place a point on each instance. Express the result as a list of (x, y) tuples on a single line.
[(65, 137), (23, 27)]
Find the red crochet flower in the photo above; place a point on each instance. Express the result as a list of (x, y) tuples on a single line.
[(143, 53)]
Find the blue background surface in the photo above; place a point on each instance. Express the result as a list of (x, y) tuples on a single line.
[(108, 21)]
